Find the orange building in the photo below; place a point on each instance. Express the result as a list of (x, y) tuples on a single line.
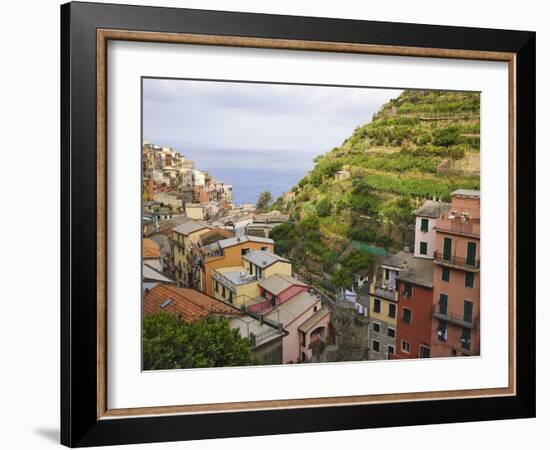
[(229, 253), (455, 309)]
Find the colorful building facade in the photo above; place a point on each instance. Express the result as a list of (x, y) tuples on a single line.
[(455, 310)]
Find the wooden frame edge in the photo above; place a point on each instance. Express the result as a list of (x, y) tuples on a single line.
[(289, 44), (103, 35)]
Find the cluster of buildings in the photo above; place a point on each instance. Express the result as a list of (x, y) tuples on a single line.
[(173, 181), (204, 257), (425, 303)]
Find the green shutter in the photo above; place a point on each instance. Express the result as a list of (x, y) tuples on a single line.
[(447, 243), (424, 225), (443, 303), (468, 309), (471, 258), (469, 280), (423, 248)]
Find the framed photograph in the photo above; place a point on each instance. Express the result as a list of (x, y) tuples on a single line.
[(277, 224)]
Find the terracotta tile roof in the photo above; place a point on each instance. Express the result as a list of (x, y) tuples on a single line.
[(187, 304), (150, 249)]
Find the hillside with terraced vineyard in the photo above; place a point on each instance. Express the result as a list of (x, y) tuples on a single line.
[(360, 197)]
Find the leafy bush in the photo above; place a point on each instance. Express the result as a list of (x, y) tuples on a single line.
[(169, 343), (324, 207), (445, 137)]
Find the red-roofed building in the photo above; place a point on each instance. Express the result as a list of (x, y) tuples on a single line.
[(186, 304)]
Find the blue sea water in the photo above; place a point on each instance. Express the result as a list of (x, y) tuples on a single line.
[(249, 183), (252, 172)]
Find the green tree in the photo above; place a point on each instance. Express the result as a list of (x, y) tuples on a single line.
[(169, 343), (284, 236), (342, 277), (324, 207), (309, 226), (446, 137), (264, 200)]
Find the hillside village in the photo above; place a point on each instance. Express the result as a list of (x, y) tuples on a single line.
[(373, 255)]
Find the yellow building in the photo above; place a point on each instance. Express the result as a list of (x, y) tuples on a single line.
[(234, 285), (239, 284), (383, 295), (264, 264), (195, 211), (229, 253), (185, 237)]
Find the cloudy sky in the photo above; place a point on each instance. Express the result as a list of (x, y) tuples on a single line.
[(210, 121)]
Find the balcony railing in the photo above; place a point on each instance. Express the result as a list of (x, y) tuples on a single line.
[(457, 319), (469, 228), (386, 292), (456, 261)]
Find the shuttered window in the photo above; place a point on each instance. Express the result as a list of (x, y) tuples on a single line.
[(443, 298), (447, 246), (424, 225), (468, 309)]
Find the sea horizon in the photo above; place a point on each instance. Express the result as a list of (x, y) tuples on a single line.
[(251, 172)]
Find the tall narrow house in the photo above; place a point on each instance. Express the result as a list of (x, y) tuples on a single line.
[(455, 310)]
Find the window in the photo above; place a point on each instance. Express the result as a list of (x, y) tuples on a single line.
[(250, 268), (407, 315), (391, 310), (386, 274), (424, 225), (465, 338), (375, 345), (468, 309), (391, 332), (445, 274), (423, 248), (447, 245), (407, 289), (223, 291), (424, 351), (376, 327), (469, 280), (391, 350), (376, 305), (265, 249), (443, 303), (230, 297), (471, 256), (406, 346), (217, 287), (245, 251), (442, 330)]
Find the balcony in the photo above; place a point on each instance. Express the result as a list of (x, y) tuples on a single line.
[(456, 319), (456, 262), (469, 228), (385, 292)]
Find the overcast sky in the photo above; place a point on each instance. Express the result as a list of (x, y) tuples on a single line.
[(197, 117)]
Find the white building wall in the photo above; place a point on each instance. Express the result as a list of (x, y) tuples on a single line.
[(424, 236)]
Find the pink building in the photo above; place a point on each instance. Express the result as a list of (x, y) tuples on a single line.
[(306, 323), (455, 316), (276, 290)]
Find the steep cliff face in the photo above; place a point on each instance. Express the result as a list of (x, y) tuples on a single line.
[(423, 144)]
